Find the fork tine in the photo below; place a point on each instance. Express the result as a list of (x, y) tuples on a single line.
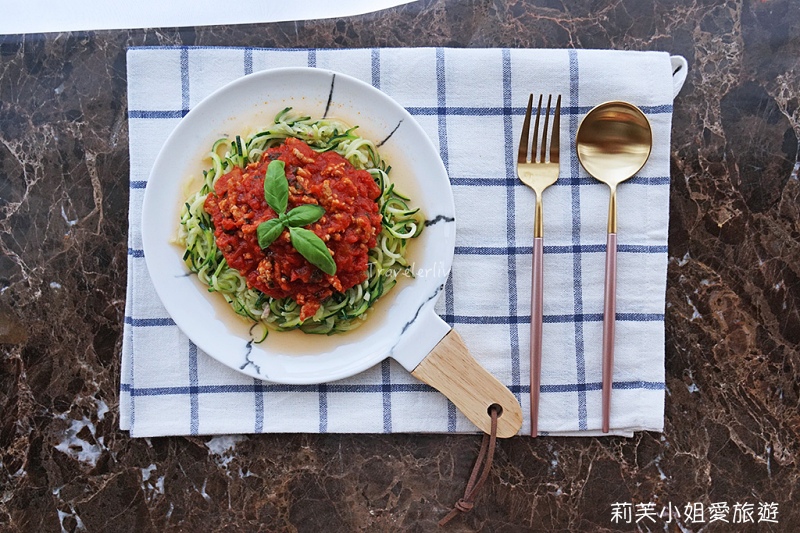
[(535, 147), (544, 132), (554, 140), (522, 153)]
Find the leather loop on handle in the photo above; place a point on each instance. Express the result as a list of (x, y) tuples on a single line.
[(451, 370), (609, 322), (483, 465)]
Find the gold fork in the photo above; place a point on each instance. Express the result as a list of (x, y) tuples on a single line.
[(538, 172)]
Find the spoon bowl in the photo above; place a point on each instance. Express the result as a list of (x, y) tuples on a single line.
[(613, 143)]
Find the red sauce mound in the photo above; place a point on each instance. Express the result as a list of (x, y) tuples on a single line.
[(349, 226)]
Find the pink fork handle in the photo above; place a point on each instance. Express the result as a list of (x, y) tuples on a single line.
[(609, 319), (537, 287)]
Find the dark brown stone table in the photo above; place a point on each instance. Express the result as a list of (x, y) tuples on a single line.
[(732, 430)]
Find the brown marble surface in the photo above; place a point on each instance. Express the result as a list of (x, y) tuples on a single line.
[(733, 299)]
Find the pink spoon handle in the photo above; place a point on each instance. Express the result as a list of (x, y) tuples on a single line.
[(537, 289), (609, 318)]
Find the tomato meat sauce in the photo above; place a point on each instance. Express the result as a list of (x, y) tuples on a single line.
[(349, 227)]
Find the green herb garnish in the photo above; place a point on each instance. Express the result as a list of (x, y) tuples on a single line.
[(306, 242)]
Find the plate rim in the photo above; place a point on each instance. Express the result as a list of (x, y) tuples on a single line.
[(355, 366)]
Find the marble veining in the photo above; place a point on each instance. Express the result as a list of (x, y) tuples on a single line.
[(330, 96), (399, 123), (732, 432), (249, 362), (417, 313), (439, 218)]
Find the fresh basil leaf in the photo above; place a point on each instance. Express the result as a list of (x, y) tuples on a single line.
[(303, 215), (276, 187), (313, 248), (268, 231)]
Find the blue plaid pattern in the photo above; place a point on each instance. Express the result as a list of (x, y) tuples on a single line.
[(471, 103)]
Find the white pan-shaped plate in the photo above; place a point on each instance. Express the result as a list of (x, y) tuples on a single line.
[(402, 325)]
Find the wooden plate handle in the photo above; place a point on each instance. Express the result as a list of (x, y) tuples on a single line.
[(450, 369)]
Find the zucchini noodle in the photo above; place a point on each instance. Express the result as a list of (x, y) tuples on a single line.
[(342, 311)]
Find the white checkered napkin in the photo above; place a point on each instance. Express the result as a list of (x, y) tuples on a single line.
[(471, 104)]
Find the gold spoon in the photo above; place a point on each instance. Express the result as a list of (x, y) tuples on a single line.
[(614, 141)]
